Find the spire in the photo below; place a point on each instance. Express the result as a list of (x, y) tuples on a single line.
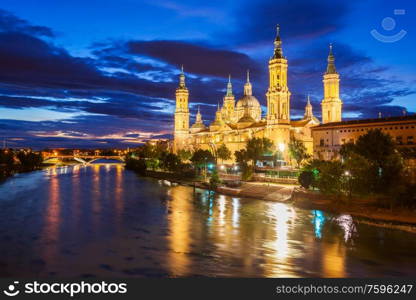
[(308, 109), (198, 116), (278, 52), (331, 62), (182, 78), (229, 87), (247, 86)]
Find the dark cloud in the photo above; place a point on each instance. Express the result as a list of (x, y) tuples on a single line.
[(11, 23), (197, 58), (300, 19)]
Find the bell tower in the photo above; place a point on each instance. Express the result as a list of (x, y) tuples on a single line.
[(278, 100), (229, 103), (331, 104), (181, 130), (278, 95)]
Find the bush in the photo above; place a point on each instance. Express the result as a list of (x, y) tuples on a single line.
[(306, 179), (137, 165), (214, 181), (405, 195)]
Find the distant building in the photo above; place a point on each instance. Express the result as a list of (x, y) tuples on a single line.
[(328, 138)]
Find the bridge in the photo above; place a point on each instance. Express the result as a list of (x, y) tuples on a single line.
[(84, 159)]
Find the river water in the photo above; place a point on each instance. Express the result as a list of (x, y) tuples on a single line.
[(104, 221)]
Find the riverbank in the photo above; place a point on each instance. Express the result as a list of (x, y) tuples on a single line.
[(364, 210)]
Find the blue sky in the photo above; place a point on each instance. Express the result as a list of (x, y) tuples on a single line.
[(103, 73)]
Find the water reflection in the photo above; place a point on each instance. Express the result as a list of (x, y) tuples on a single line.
[(179, 229), (52, 221), (103, 220), (347, 224), (318, 222)]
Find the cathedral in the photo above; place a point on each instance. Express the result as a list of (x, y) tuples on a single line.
[(237, 121)]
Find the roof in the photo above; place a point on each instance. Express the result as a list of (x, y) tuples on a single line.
[(303, 122), (367, 121)]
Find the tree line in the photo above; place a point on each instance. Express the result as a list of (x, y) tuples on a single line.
[(13, 161), (372, 167)]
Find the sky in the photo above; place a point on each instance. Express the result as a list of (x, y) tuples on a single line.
[(103, 73)]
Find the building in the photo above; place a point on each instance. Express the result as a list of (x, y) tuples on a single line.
[(328, 138), (237, 121)]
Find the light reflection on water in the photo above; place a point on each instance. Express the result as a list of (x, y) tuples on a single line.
[(101, 220)]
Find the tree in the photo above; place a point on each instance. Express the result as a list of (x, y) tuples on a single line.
[(327, 176), (171, 162), (214, 181), (242, 159), (223, 153), (137, 165), (374, 162), (306, 179), (256, 148), (29, 160), (297, 150), (184, 155), (201, 158), (6, 163)]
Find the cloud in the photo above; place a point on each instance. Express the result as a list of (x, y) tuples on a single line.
[(11, 23), (255, 21)]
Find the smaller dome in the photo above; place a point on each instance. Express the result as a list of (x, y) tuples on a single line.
[(198, 126)]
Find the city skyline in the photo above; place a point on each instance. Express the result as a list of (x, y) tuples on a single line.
[(103, 74)]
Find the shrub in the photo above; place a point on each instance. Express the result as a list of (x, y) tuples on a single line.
[(306, 179), (137, 165), (214, 181)]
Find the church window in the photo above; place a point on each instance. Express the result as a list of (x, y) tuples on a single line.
[(410, 140), (321, 142), (183, 124)]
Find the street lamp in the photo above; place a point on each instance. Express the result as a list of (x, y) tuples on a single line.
[(348, 175)]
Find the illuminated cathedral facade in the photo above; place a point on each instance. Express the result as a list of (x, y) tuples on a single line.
[(237, 121)]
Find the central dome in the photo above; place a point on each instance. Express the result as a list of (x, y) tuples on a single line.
[(248, 101)]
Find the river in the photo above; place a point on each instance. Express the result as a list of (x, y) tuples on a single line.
[(101, 220)]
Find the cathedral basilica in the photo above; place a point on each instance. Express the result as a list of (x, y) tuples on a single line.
[(237, 121)]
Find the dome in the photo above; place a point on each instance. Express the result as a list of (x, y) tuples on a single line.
[(198, 126), (248, 100), (246, 119)]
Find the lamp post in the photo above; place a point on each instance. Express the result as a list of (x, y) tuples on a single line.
[(348, 175)]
